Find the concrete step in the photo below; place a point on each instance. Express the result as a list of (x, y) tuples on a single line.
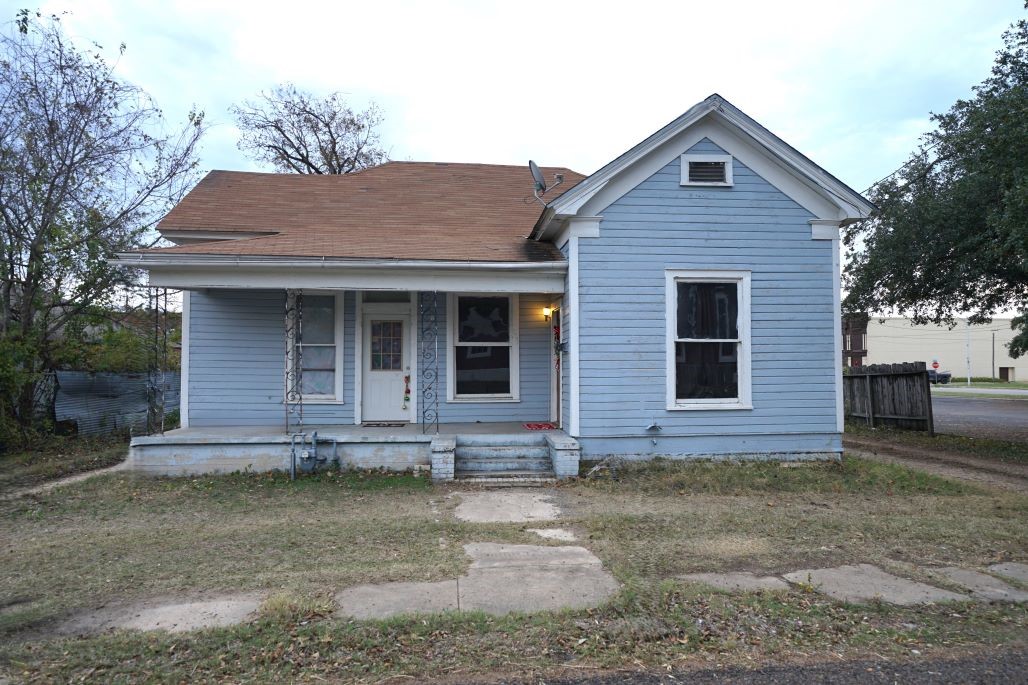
[(519, 439), (506, 478), (502, 452), (505, 464)]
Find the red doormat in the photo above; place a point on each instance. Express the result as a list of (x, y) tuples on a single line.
[(539, 426)]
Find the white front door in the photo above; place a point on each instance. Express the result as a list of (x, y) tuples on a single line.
[(386, 376)]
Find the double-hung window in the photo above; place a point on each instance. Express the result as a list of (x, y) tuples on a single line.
[(483, 352), (708, 339), (316, 347)]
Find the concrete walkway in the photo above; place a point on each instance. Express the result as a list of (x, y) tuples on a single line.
[(502, 579), (863, 583)]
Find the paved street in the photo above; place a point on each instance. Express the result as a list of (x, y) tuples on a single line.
[(1002, 419)]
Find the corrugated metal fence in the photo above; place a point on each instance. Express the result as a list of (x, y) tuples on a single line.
[(896, 395), (100, 403)]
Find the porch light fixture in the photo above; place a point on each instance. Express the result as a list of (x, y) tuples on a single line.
[(547, 313)]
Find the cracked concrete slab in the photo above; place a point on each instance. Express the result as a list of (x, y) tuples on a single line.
[(501, 579), (1011, 569), (982, 585), (506, 506), (561, 534), (865, 583), (175, 617), (737, 582), (391, 599)]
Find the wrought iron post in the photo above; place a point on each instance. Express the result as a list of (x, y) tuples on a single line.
[(428, 368), (156, 379), (294, 360)]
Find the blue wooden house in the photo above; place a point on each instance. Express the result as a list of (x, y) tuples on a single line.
[(683, 301)]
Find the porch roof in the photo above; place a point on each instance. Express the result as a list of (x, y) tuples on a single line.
[(399, 210)]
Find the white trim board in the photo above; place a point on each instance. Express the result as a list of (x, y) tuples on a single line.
[(744, 363), (549, 281), (183, 407)]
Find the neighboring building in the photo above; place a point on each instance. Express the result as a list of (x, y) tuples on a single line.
[(854, 339), (896, 340), (682, 301)]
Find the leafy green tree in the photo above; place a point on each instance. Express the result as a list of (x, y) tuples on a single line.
[(86, 168), (950, 235)]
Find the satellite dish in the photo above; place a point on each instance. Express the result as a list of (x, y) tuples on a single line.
[(540, 182)]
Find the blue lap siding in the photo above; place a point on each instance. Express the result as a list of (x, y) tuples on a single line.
[(662, 225), (237, 364)]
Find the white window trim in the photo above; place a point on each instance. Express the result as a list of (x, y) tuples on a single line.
[(689, 157), (515, 347), (340, 344), (742, 281)]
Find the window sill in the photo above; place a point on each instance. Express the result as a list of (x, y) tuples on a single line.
[(321, 400), (710, 407), (716, 184), (476, 400)]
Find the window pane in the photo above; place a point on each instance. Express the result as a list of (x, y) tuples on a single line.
[(706, 370), (483, 319), (318, 383), (708, 310), (319, 319), (482, 370), (323, 358), (386, 345)]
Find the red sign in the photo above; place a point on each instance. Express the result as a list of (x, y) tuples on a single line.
[(935, 365)]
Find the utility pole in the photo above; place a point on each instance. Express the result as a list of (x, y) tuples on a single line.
[(967, 349), (994, 355)]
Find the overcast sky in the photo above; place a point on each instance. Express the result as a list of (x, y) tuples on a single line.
[(575, 84)]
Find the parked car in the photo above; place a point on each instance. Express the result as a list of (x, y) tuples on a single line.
[(939, 377)]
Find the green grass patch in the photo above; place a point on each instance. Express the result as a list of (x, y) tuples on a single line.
[(652, 627), (120, 539), (850, 475), (985, 448), (56, 457)]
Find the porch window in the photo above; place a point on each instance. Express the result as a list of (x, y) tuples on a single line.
[(483, 352), (317, 348), (708, 340)]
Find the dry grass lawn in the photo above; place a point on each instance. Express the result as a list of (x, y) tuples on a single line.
[(119, 538)]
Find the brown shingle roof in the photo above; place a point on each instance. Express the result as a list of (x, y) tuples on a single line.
[(401, 210)]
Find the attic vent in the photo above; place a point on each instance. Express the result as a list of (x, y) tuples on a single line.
[(706, 170)]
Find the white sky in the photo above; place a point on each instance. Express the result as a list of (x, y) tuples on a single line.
[(575, 84)]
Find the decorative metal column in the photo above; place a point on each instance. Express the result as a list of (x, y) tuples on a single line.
[(156, 380), (294, 360), (428, 367)]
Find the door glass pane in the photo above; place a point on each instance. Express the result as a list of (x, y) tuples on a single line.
[(483, 319), (706, 370), (318, 383), (319, 319), (482, 370), (708, 310), (386, 345)]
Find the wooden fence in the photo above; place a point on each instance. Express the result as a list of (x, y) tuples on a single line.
[(896, 395)]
